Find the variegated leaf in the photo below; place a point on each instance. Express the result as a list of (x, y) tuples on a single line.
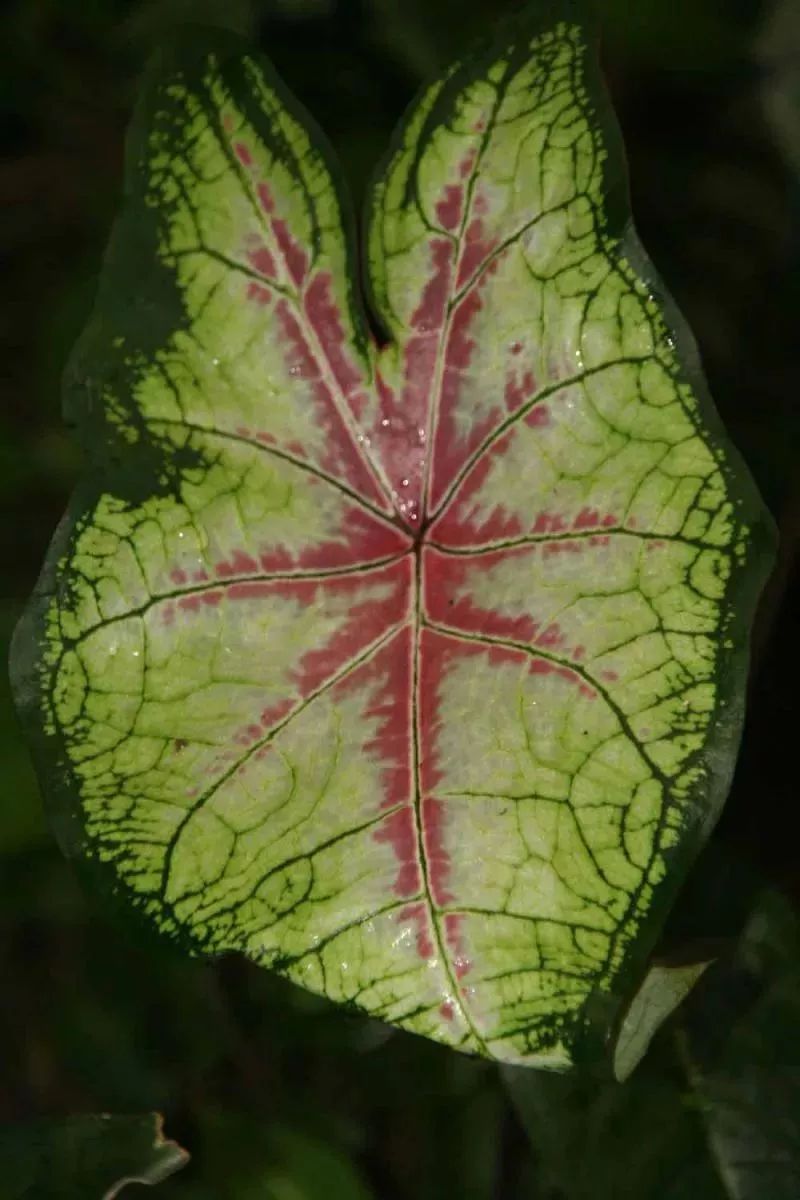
[(413, 670)]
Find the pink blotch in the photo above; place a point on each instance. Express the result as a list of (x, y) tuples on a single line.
[(258, 293), (366, 620), (446, 588), (325, 319), (448, 210), (430, 312), (538, 417), (261, 260), (178, 575), (389, 708), (398, 829), (452, 530), (436, 854), (243, 154), (547, 522), (292, 252), (265, 198), (587, 518), (271, 716), (238, 564), (419, 915), (454, 936), (550, 637), (517, 392), (543, 666), (339, 453), (467, 163), (477, 248)]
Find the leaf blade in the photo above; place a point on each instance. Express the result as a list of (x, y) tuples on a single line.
[(308, 650)]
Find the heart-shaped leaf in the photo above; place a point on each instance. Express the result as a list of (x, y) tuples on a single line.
[(412, 670)]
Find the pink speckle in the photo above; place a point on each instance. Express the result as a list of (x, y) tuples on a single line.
[(178, 576), (398, 829), (587, 518), (448, 210), (271, 716), (293, 253), (436, 854), (547, 522), (467, 163), (262, 261), (243, 154), (429, 313), (239, 564), (417, 913), (265, 198), (446, 1010), (542, 666), (325, 318), (517, 392), (550, 637), (538, 417), (258, 293), (477, 248), (454, 937)]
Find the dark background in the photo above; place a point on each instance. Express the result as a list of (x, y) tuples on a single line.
[(277, 1094)]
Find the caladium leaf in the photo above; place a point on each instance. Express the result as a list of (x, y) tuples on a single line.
[(413, 670)]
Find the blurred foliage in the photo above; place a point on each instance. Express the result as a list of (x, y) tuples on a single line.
[(72, 1158), (712, 1114), (278, 1095)]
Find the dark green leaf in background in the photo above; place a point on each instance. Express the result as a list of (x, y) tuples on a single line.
[(89, 1157)]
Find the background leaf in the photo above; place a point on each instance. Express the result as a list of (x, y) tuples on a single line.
[(713, 1110), (86, 1157)]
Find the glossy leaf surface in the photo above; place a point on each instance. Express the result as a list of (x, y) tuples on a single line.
[(414, 669)]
